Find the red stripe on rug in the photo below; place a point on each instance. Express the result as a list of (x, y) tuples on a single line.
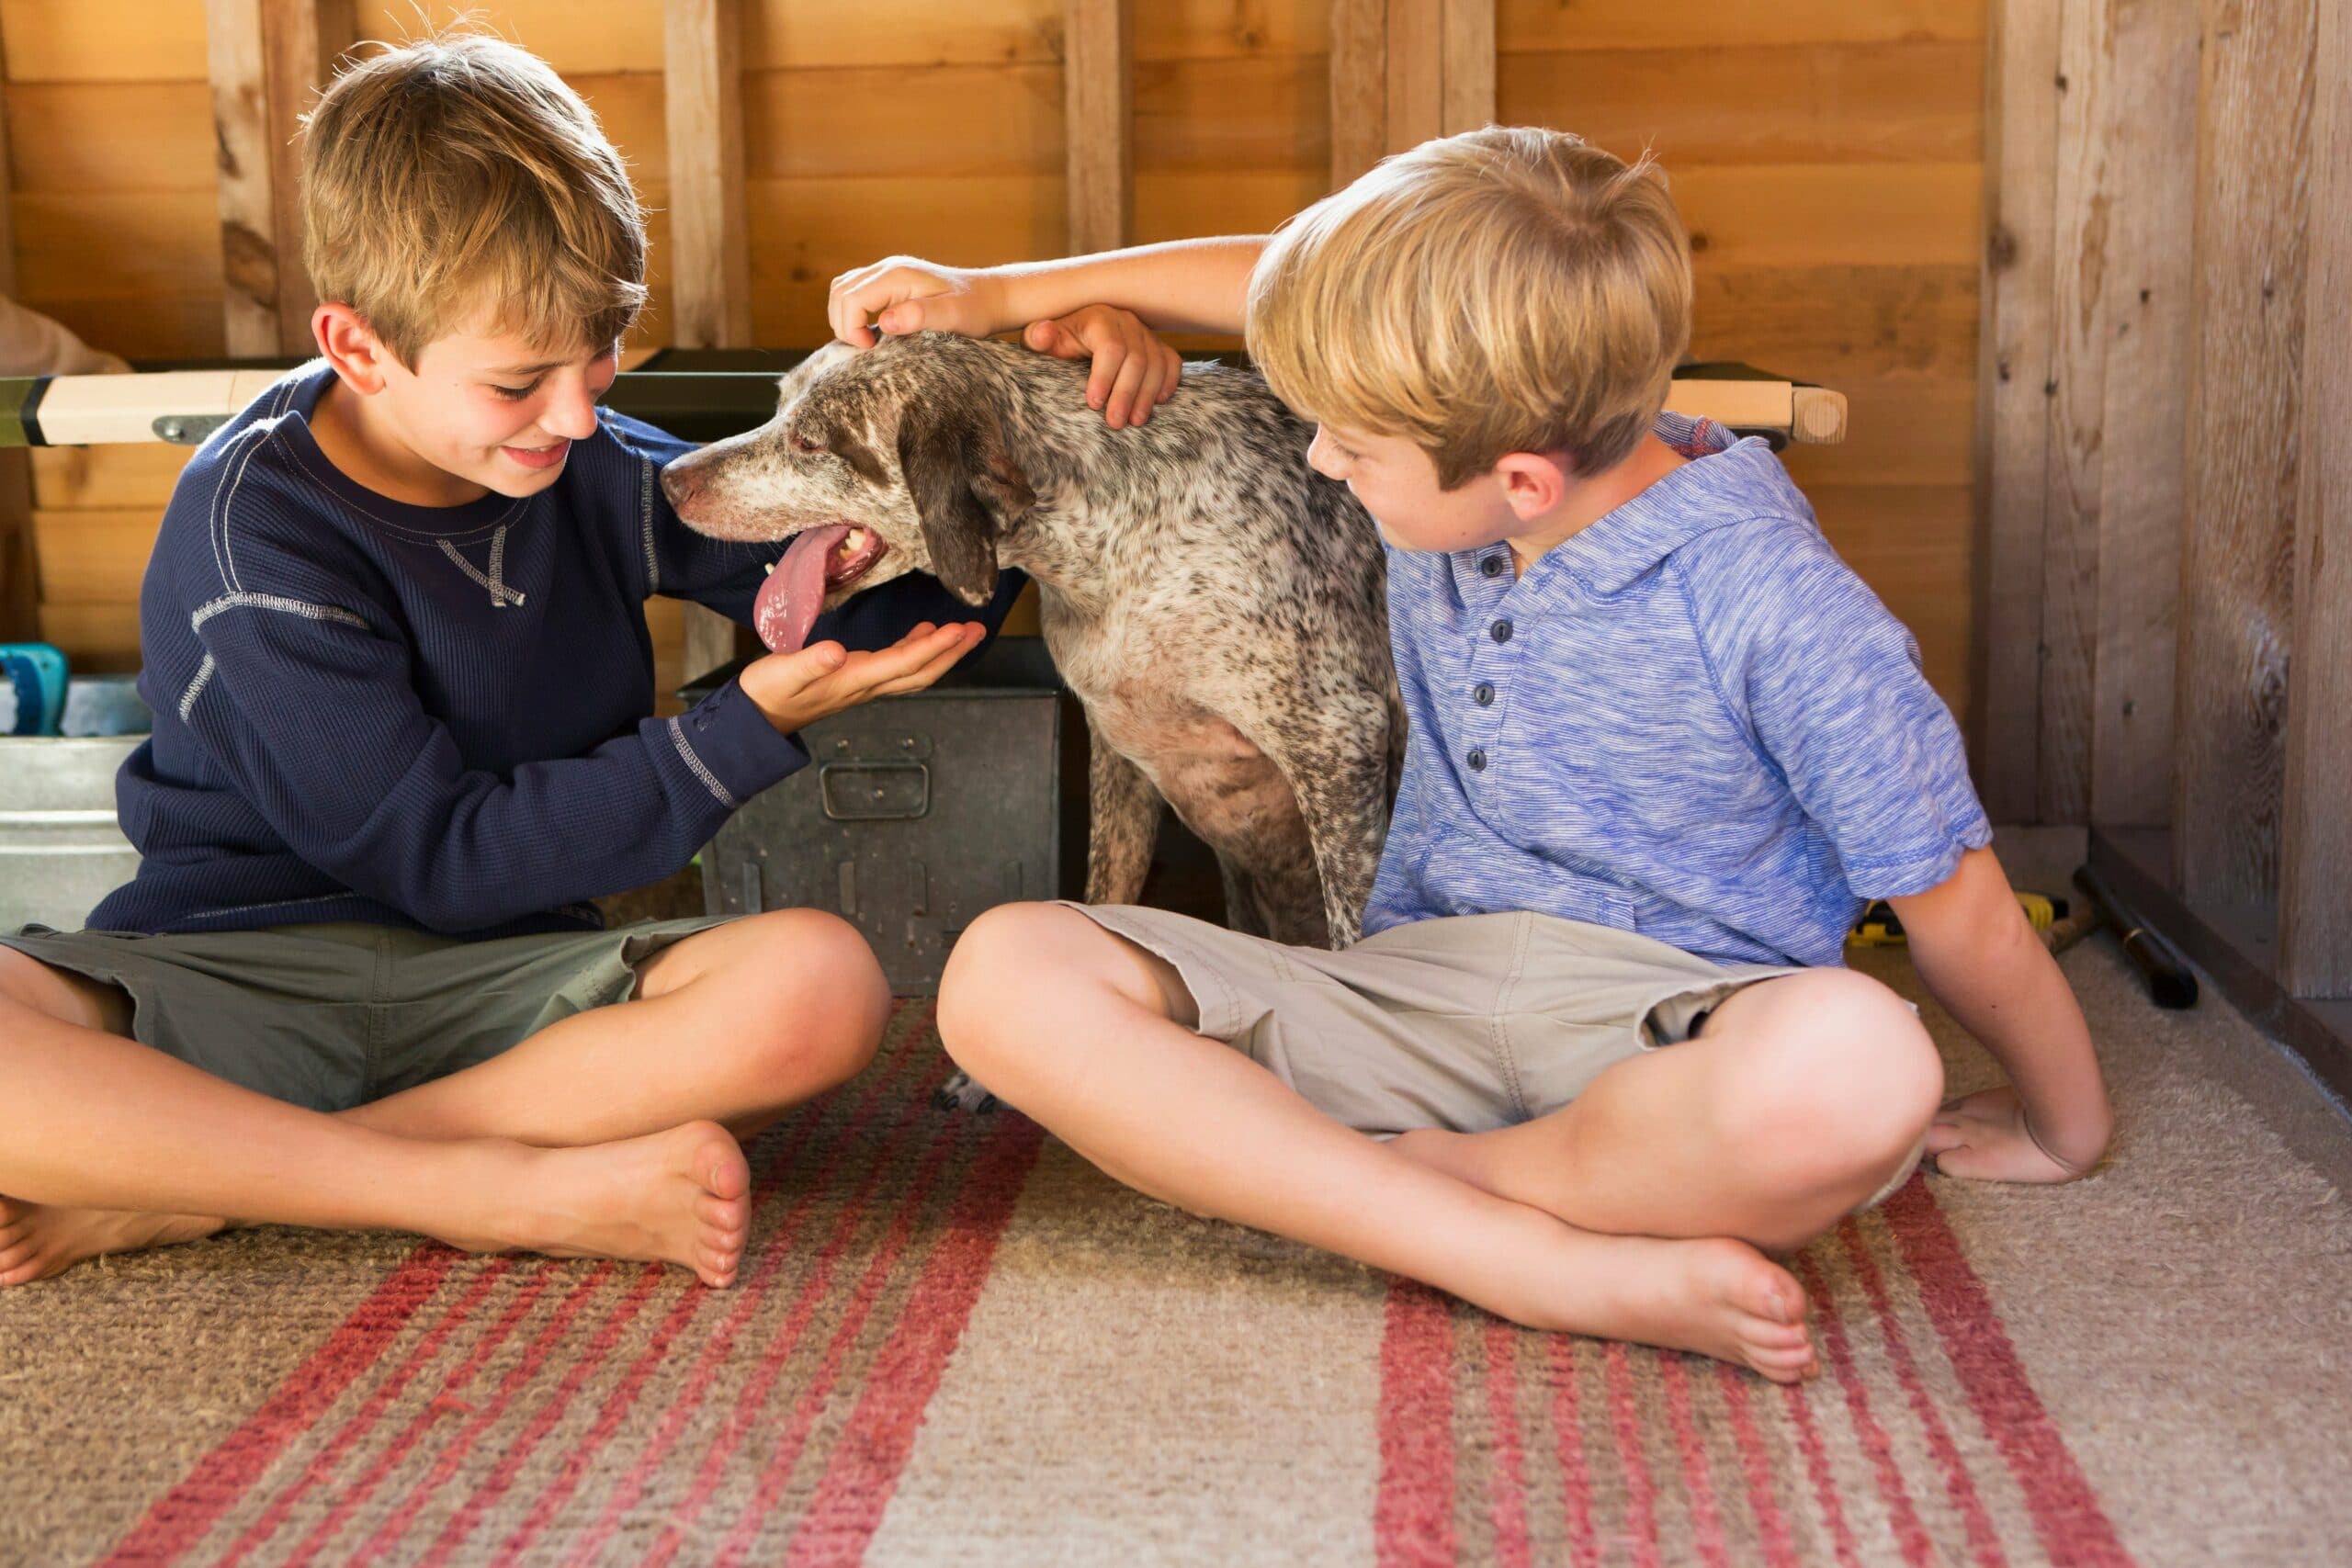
[(1507, 1493), (1412, 1519), (779, 1350), (874, 1447), (1641, 1494), (1816, 1464), (714, 1350), (494, 1486), (186, 1514), (618, 1404), (1780, 1549), (1958, 1483), (1567, 1426), (347, 1502), (1705, 1523), (328, 1462), (518, 1376), (1909, 1534), (2067, 1518)]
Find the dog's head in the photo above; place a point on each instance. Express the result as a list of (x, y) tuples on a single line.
[(893, 459)]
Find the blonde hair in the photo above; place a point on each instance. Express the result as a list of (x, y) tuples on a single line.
[(457, 179), (1511, 289)]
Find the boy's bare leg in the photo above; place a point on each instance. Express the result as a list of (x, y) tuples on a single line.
[(1076, 1027), (733, 1025), (1799, 1098)]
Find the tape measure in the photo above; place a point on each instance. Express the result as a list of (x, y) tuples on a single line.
[(1880, 927)]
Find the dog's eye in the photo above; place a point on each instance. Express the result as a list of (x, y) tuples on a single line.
[(802, 442)]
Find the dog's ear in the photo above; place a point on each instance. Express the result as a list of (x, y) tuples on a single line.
[(966, 490)]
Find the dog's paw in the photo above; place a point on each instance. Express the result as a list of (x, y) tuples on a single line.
[(962, 1093)]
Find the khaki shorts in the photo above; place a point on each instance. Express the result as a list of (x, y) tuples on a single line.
[(336, 1015), (1469, 1023)]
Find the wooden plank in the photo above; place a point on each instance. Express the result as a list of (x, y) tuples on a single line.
[(239, 66), (1607, 26), (574, 35), (710, 256), (2012, 420), (1097, 78), (111, 40), (1856, 214), (2087, 83), (95, 556), (1793, 103), (66, 477), (112, 136), (2150, 184), (1466, 93), (1416, 73), (2254, 111), (2315, 858), (1359, 86), (19, 584), (302, 39), (99, 638), (710, 264)]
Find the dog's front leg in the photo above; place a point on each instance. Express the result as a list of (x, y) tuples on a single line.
[(1125, 810)]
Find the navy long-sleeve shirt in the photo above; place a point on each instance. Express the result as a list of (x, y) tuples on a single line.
[(433, 716)]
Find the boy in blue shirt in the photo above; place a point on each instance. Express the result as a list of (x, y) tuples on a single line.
[(392, 633), (1663, 745)]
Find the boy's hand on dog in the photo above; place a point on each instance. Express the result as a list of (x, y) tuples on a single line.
[(795, 690), (900, 293), (1134, 372), (1985, 1136)]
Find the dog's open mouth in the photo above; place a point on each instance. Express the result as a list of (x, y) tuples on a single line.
[(816, 563)]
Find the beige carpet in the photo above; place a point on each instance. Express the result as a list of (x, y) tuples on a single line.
[(958, 1344)]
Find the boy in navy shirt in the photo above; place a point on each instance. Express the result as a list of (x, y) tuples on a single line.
[(393, 636), (1663, 746)]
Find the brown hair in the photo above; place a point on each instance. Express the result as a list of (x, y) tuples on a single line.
[(457, 179), (1511, 289)]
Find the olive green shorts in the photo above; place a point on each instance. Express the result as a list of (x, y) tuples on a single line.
[(336, 1015)]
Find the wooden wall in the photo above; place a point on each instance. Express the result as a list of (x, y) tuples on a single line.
[(1826, 154)]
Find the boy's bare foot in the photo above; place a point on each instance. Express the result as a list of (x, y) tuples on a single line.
[(681, 1197), (1716, 1296), (38, 1240)]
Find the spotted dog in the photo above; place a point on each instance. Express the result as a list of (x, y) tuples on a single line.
[(1214, 602)]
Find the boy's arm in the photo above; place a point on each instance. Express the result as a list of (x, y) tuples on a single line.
[(1988, 967), (1182, 285)]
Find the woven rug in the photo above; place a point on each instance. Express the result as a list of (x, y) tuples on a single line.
[(954, 1342)]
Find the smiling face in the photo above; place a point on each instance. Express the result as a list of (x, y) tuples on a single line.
[(480, 410)]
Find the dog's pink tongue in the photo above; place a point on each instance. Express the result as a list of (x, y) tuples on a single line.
[(795, 590)]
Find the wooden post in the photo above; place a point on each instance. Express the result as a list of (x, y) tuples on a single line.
[(19, 587), (2013, 388), (710, 258), (1404, 71), (1097, 46), (267, 59), (2315, 872), (2238, 588)]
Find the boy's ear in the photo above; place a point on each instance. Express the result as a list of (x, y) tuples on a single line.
[(351, 345), (1533, 482), (967, 489)]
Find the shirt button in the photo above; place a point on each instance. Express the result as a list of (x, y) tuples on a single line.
[(1485, 694), (1477, 760), (1492, 566), (1501, 630)]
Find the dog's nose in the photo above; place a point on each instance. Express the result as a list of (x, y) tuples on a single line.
[(680, 487)]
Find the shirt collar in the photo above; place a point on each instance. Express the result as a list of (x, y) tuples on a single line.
[(1727, 481)]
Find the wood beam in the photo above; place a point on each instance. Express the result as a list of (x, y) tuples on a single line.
[(2315, 860), (1405, 71), (710, 256), (268, 60), (2014, 390), (2237, 582), (1097, 52), (20, 586)]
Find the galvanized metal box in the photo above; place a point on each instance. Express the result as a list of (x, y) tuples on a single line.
[(921, 810), (59, 848)]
